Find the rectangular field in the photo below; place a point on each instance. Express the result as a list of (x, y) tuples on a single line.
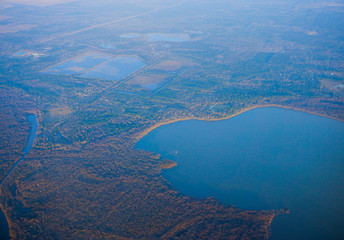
[(99, 66), (78, 64), (116, 69)]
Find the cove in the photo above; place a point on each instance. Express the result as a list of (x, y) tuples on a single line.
[(4, 229), (265, 158)]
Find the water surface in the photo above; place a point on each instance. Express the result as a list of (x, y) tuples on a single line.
[(4, 229), (130, 35), (108, 45), (78, 64), (267, 158), (171, 37), (116, 69)]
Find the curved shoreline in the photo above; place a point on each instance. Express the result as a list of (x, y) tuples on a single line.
[(273, 212), (148, 130)]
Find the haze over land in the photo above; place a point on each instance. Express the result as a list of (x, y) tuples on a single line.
[(99, 75)]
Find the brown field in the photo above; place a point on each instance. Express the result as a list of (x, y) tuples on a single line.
[(59, 112), (173, 64), (146, 79), (168, 65)]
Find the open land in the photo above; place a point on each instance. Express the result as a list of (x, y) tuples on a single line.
[(83, 179)]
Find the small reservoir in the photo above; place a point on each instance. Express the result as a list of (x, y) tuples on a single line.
[(98, 66), (116, 69), (171, 37), (266, 158)]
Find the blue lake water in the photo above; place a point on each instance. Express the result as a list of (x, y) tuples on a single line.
[(266, 158), (99, 66), (116, 69), (152, 86), (79, 64), (4, 229), (108, 45), (171, 37), (130, 35), (159, 37), (34, 127)]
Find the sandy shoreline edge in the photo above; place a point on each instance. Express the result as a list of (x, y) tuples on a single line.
[(274, 212), (148, 130)]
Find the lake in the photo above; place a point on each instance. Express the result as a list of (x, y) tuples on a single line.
[(130, 35), (159, 37), (266, 158), (170, 37)]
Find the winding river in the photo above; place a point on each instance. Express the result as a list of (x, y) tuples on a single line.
[(4, 229)]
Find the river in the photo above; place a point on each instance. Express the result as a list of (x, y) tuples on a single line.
[(4, 229)]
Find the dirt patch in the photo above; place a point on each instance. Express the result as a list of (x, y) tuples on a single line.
[(174, 63), (168, 65), (143, 80), (59, 112)]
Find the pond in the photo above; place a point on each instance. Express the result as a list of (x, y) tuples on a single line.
[(170, 37), (116, 69), (78, 64)]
